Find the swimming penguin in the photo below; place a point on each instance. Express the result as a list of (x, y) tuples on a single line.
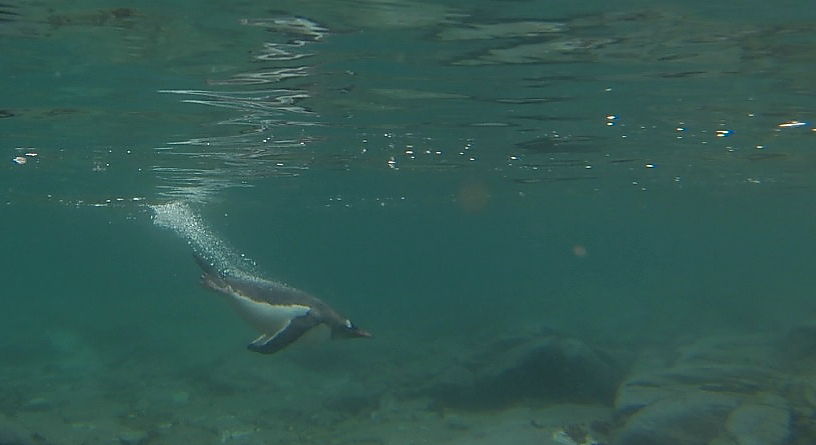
[(281, 314)]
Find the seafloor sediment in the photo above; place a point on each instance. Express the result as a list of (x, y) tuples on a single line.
[(537, 387)]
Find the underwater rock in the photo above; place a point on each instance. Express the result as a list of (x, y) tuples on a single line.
[(764, 421), (748, 350), (645, 389), (726, 364), (716, 390), (689, 419), (701, 417), (636, 394), (553, 368)]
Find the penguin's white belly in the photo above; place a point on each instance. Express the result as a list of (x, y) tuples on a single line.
[(264, 317)]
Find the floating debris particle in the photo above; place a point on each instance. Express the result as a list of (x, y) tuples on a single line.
[(579, 251), (792, 124)]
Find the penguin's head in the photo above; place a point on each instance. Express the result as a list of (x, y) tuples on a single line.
[(347, 329)]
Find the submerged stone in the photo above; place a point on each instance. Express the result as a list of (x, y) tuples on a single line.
[(551, 368), (716, 391), (689, 419), (765, 421), (644, 389)]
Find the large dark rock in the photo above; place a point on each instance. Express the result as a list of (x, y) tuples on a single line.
[(548, 368)]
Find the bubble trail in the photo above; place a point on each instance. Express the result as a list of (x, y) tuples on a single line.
[(191, 227)]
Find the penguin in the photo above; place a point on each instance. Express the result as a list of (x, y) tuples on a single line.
[(282, 314)]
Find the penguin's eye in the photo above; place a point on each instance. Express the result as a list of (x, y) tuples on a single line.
[(349, 324)]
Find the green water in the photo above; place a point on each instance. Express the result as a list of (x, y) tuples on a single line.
[(631, 173)]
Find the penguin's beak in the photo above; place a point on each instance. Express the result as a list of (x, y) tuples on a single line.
[(363, 334)]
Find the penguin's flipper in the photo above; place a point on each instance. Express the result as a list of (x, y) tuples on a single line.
[(293, 330), (260, 340)]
